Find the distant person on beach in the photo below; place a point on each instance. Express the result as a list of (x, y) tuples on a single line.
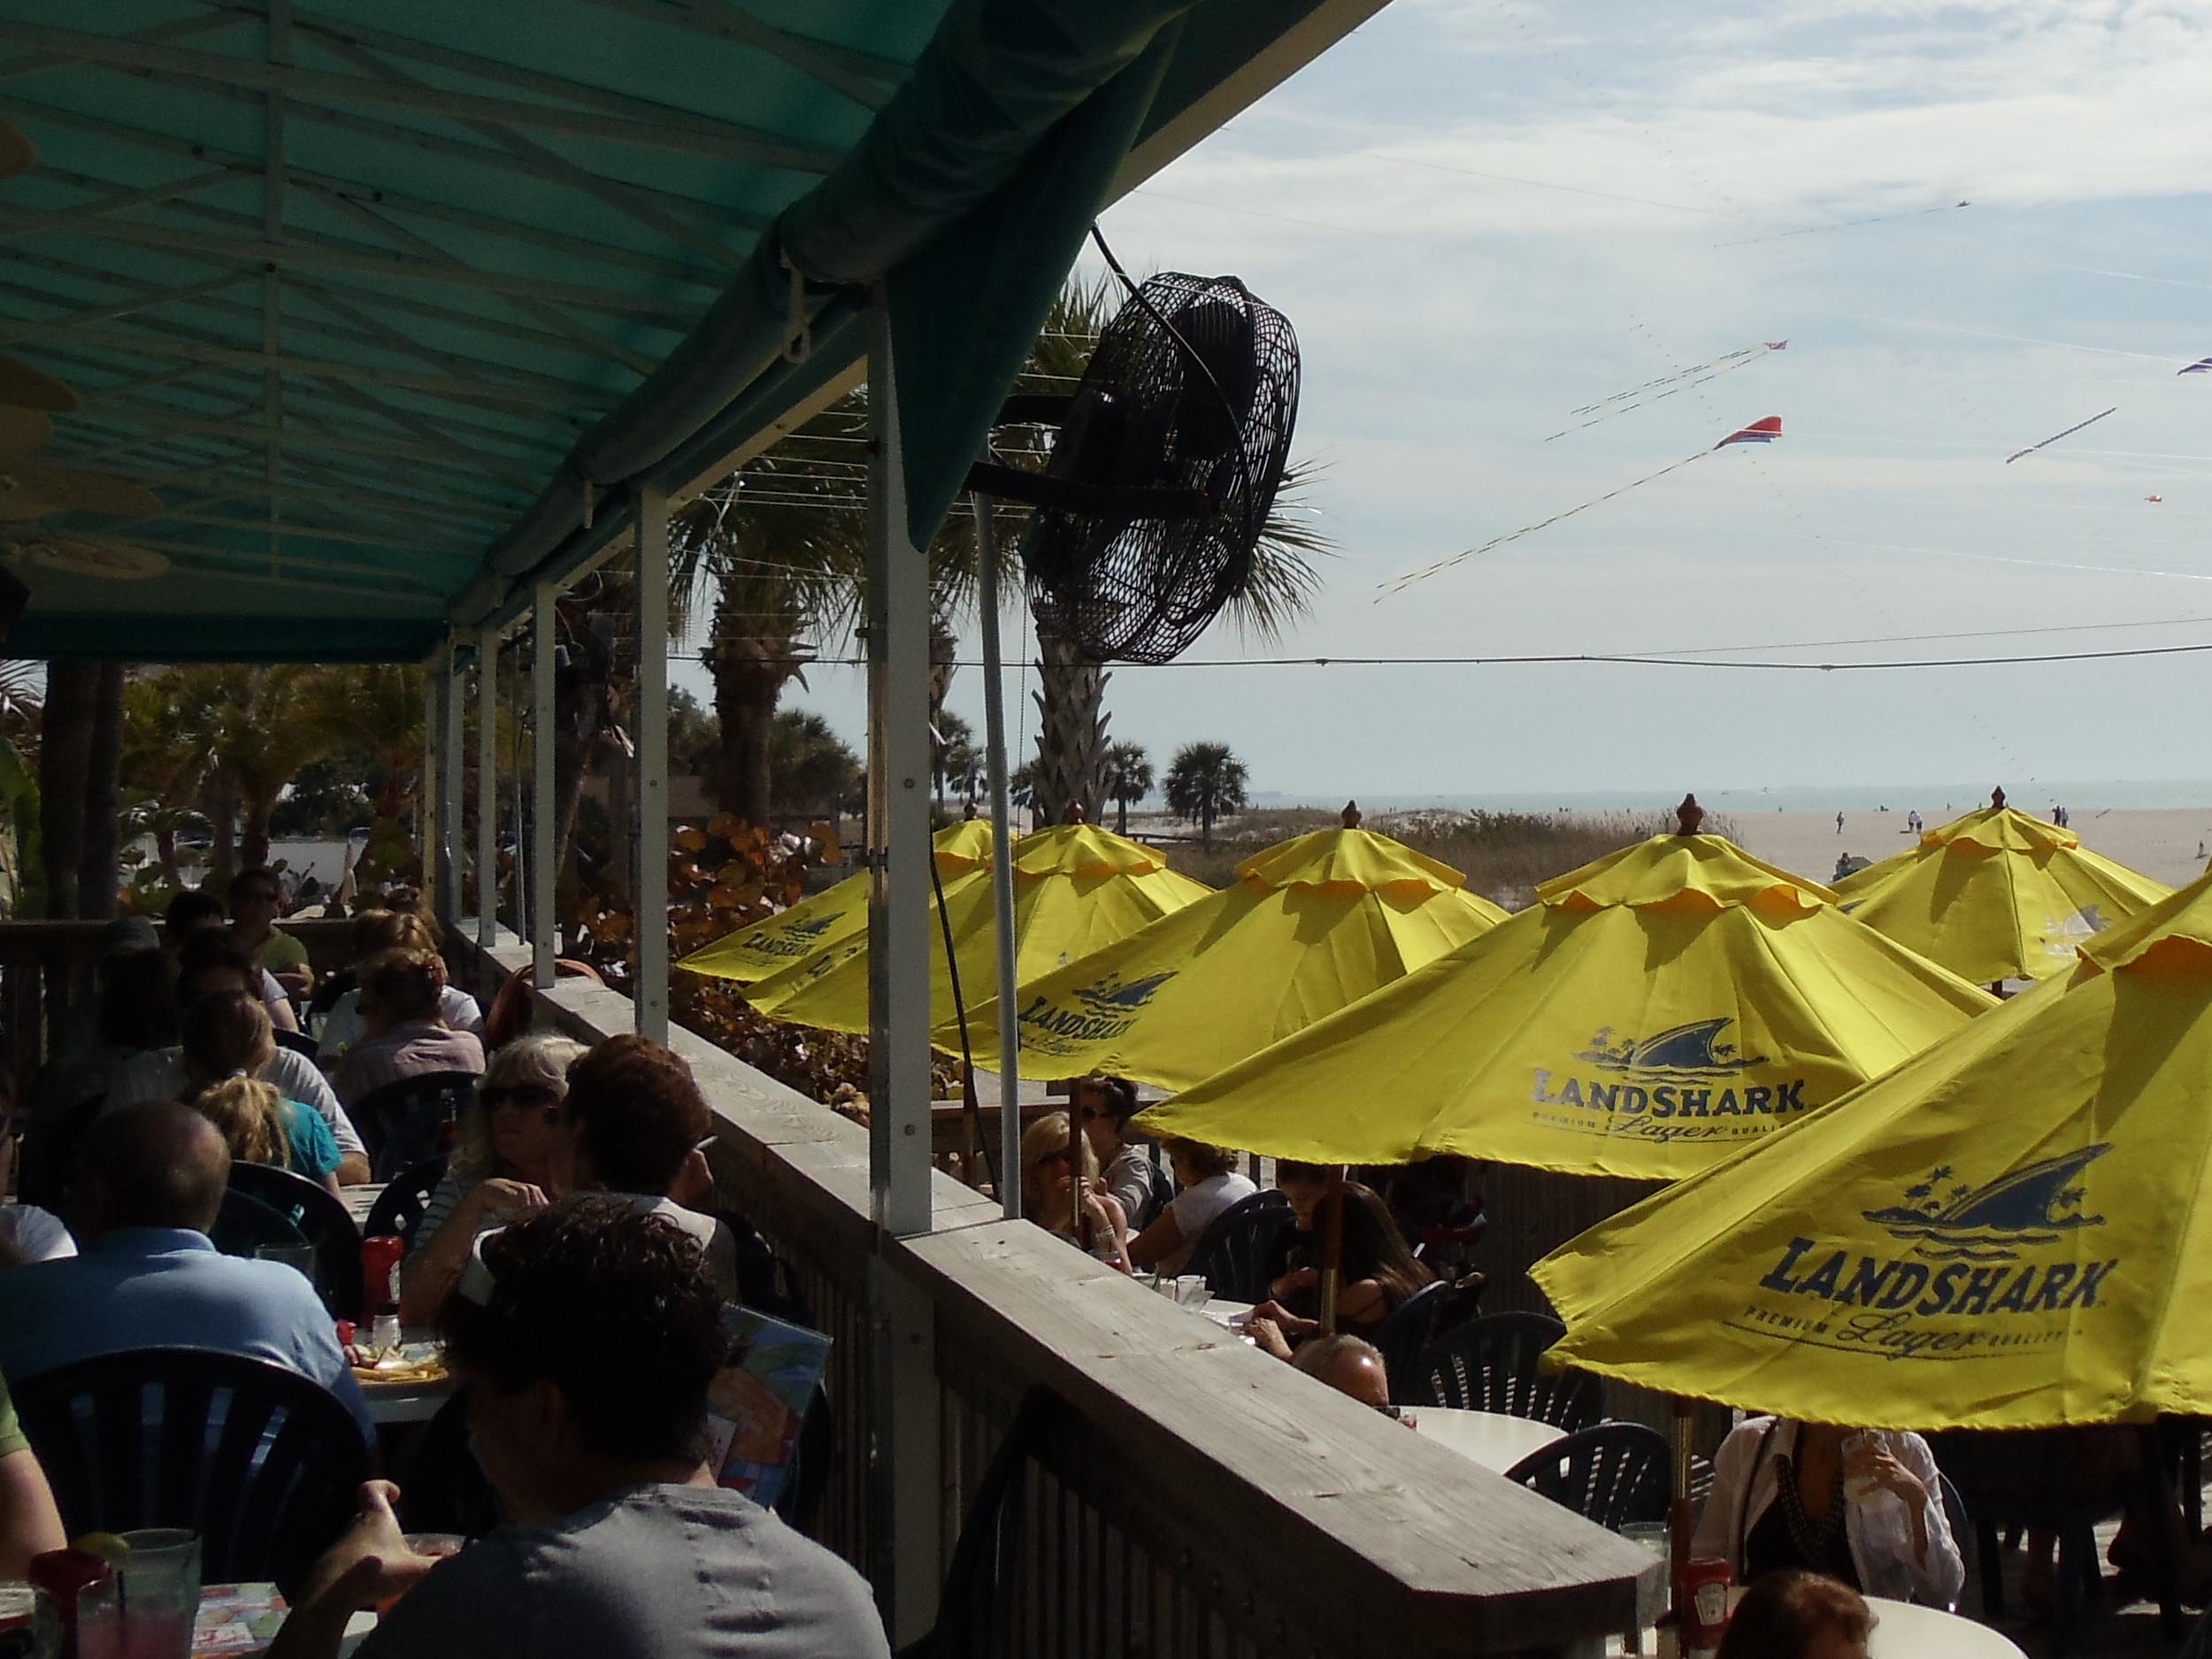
[(1838, 823)]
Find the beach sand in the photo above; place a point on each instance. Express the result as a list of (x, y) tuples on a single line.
[(2160, 843)]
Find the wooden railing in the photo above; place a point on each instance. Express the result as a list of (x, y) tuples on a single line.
[(1198, 1498)]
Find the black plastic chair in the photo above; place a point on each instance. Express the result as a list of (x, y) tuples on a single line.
[(1495, 1364), (297, 1042), (404, 1123), (1232, 1254), (244, 1224), (1404, 1336), (262, 1463), (399, 1208), (1614, 1474), (323, 1220), (977, 1606)]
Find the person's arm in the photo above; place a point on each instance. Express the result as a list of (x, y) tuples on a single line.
[(427, 1277), (1105, 1216), (1361, 1303), (369, 1563), (278, 1004), (1908, 1469), (29, 1523), (1157, 1242), (1715, 1535)]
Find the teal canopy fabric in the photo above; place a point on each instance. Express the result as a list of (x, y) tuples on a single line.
[(390, 302)]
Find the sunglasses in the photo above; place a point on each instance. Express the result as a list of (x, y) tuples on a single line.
[(1092, 1113), (1062, 1157)]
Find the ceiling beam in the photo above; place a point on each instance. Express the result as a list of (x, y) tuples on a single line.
[(15, 332), (734, 24), (176, 30), (681, 132), (119, 200), (277, 30), (132, 430)]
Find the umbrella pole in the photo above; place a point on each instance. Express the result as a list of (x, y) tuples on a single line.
[(1010, 1103), (1679, 1518), (1332, 1247)]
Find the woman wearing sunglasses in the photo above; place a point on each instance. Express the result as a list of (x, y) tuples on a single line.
[(1051, 1185), (501, 1167)]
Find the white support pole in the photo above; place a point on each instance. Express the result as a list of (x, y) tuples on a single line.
[(909, 1405), (487, 788), (545, 641), (426, 786), (649, 835), (899, 916), (1009, 1067), (452, 708)]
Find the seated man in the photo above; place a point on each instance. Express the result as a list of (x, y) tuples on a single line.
[(406, 1035), (29, 1523), (256, 897), (215, 967), (634, 1122), (1348, 1365), (149, 1186), (618, 1542), (195, 910)]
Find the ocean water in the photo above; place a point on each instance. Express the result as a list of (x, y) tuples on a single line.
[(1935, 800)]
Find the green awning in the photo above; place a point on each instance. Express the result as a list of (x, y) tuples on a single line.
[(392, 303)]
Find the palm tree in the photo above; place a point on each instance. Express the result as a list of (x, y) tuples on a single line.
[(814, 769), (1205, 781), (781, 545), (269, 729), (1072, 734), (952, 754), (168, 746), (1128, 778)]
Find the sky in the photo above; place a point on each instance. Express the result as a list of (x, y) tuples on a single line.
[(1483, 214)]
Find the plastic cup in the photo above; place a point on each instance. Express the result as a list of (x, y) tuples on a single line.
[(1191, 1291), (438, 1544), (158, 1592)]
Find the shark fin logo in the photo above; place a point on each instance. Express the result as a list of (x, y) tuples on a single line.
[(1693, 1050), (1101, 1011), (809, 927), (1945, 1219), (1114, 994)]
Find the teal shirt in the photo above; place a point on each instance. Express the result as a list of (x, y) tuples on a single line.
[(314, 1148)]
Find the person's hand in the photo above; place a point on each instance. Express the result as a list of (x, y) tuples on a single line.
[(501, 1197), (1267, 1336), (694, 1185), (1286, 1322), (1871, 1460), (1101, 1218), (371, 1561)]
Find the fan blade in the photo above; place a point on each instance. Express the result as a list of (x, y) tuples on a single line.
[(15, 153), (1073, 495), (19, 503), (22, 430), (76, 491), (26, 388), (88, 555)]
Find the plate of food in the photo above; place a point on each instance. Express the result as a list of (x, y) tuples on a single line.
[(408, 1362)]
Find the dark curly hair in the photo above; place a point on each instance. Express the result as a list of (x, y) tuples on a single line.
[(637, 1113), (1117, 1095), (613, 1307), (1783, 1612)]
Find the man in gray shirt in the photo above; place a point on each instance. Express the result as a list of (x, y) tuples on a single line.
[(588, 1335)]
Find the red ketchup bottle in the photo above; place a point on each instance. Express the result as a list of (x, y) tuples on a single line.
[(379, 1273)]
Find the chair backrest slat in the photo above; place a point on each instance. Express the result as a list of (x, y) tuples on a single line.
[(1495, 1364)]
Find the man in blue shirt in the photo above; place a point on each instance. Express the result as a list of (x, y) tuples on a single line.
[(152, 1180)]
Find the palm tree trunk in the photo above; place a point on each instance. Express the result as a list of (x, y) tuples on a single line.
[(100, 870), (1206, 824), (1072, 729), (942, 644), (746, 692), (254, 838), (64, 748), (1121, 815)]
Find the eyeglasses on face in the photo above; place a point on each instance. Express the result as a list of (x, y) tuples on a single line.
[(1062, 1157), (519, 1095)]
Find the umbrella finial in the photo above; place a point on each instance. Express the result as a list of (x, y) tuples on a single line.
[(1688, 816), (1072, 813), (1351, 815), (1997, 798)]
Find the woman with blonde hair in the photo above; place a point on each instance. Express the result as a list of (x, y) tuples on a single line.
[(228, 1040), (1051, 1184), (501, 1167)]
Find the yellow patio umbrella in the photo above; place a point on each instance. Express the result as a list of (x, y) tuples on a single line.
[(1653, 1011), (1310, 925), (1997, 894), (2011, 1231), (1077, 888), (830, 918)]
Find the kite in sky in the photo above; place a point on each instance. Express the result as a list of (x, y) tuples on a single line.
[(2202, 365), (1763, 431), (2153, 498), (2056, 436), (1650, 392)]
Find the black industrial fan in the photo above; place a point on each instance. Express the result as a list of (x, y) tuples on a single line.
[(1169, 454)]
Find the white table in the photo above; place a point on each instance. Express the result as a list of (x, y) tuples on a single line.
[(1222, 1312), (1901, 1630), (360, 1201), (1492, 1439)]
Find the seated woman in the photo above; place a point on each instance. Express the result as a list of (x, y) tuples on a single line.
[(1103, 1106), (1779, 1500), (1050, 1186), (374, 932), (406, 1035), (1376, 1272), (1209, 1183), (502, 1167), (226, 1040), (1297, 1246), (1796, 1615)]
